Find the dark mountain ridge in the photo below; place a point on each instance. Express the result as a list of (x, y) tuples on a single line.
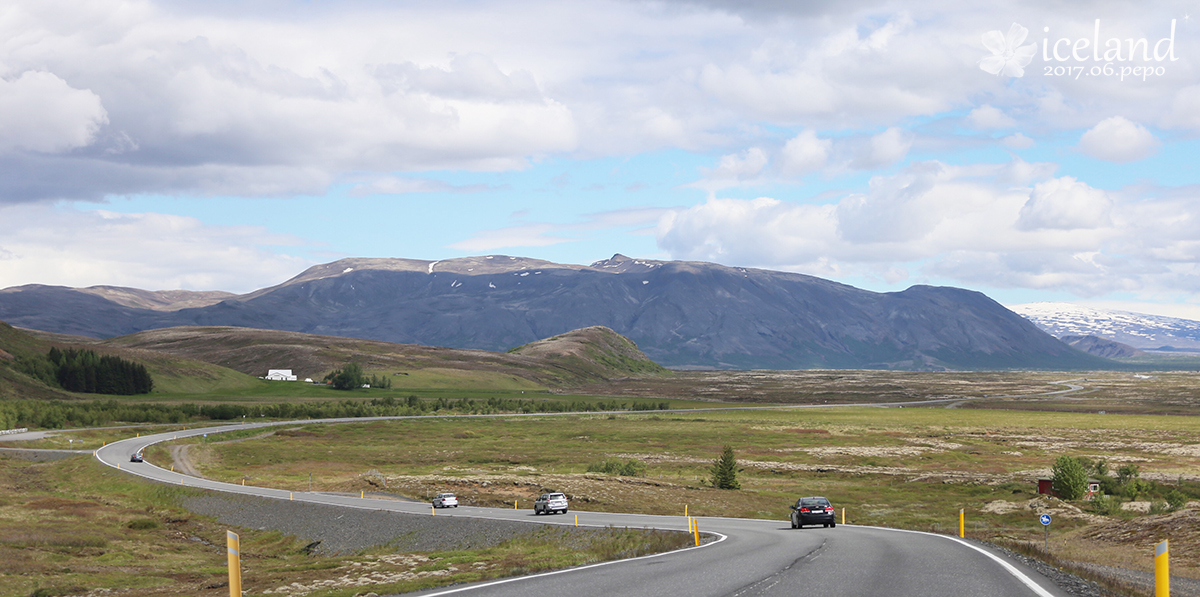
[(681, 314)]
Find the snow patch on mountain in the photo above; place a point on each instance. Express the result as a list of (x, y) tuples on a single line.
[(1139, 330)]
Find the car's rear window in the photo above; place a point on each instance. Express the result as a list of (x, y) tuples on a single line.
[(557, 496), (814, 503)]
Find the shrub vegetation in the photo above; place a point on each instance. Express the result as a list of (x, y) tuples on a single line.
[(629, 468), (1069, 478)]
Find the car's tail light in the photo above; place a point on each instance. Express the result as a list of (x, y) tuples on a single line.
[(804, 509)]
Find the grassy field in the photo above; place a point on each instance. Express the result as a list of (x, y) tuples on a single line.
[(73, 526), (901, 467), (908, 468)]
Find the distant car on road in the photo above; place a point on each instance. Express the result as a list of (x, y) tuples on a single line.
[(548, 503), (813, 510), (445, 500), (137, 457)]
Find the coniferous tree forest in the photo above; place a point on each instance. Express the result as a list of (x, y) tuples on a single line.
[(87, 372)]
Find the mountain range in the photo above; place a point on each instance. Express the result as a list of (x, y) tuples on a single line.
[(681, 314), (1139, 330)]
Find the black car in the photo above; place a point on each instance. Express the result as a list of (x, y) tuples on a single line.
[(137, 457), (813, 510)]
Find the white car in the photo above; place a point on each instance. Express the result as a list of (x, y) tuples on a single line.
[(445, 500), (548, 503)]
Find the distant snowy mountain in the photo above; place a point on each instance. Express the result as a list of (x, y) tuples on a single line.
[(1135, 329)]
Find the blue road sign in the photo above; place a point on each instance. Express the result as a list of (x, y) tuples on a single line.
[(1045, 518)]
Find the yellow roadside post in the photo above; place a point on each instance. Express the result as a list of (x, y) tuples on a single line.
[(290, 498), (576, 520), (243, 481), (235, 563), (685, 510), (118, 466), (1162, 570), (362, 493), (514, 504), (696, 531), (962, 523), (843, 516)]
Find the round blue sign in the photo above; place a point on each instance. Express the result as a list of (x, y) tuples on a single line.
[(1045, 518)]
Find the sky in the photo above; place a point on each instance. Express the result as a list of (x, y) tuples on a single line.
[(1033, 151)]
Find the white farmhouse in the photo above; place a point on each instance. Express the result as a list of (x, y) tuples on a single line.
[(280, 375)]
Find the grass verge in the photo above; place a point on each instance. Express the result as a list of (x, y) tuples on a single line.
[(74, 526)]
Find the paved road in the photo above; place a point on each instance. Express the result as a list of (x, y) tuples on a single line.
[(743, 558)]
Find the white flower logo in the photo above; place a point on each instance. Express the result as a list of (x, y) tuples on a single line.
[(1008, 55)]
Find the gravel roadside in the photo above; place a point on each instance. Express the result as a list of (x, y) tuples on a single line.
[(1079, 587), (346, 530)]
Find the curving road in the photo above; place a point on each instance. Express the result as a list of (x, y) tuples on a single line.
[(748, 557)]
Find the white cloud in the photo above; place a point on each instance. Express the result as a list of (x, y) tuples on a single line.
[(748, 164), (1065, 204), (883, 149), (1018, 172), (966, 224), (1117, 139), (990, 117), (758, 231), (804, 153), (152, 251), (400, 185), (540, 234), (1018, 141), (1185, 108), (41, 112), (894, 209), (733, 170), (185, 98)]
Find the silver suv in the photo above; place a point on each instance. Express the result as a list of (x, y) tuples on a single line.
[(445, 500), (548, 503)]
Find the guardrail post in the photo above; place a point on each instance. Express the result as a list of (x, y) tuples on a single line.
[(234, 545), (1162, 570)]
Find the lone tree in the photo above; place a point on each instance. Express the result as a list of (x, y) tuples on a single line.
[(724, 470), (1069, 478)]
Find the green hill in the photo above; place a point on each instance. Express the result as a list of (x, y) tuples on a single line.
[(593, 354), (582, 356), (22, 354)]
